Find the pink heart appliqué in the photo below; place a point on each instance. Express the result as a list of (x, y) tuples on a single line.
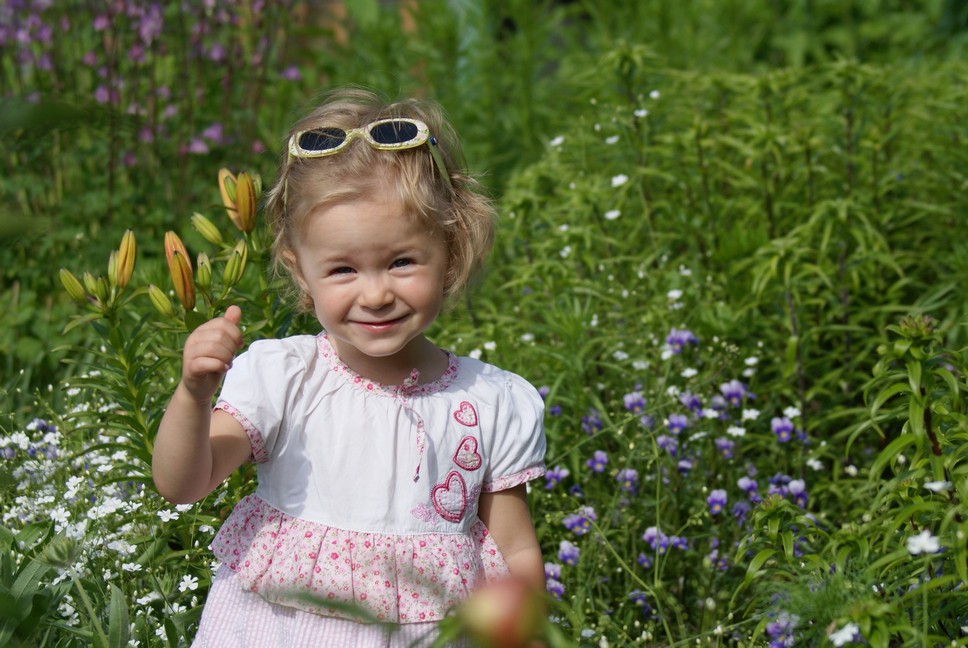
[(467, 456), (466, 414), (450, 497)]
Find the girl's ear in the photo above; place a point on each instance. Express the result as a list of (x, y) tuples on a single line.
[(292, 265)]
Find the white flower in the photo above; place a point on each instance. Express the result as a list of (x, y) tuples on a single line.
[(667, 353), (689, 372), (611, 140), (475, 354), (673, 295), (938, 486), (620, 355), (684, 271), (167, 516), (641, 113), (672, 391), (845, 635), (640, 365), (131, 567), (791, 412), (558, 141), (815, 463), (923, 542), (188, 583), (619, 180), (490, 346), (751, 414), (851, 470), (710, 413), (736, 431), (612, 214), (527, 337), (654, 94), (565, 252)]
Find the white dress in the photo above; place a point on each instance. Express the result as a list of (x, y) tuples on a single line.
[(367, 496)]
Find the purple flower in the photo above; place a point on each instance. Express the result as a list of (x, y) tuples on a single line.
[(552, 570), (734, 392), (638, 599), (657, 540), (716, 501), (554, 410), (555, 588), (691, 401), (780, 631), (782, 428), (725, 447), (151, 24), (598, 462), (667, 443), (677, 423), (678, 339), (197, 146), (684, 466), (628, 480), (644, 560), (568, 553), (213, 133), (591, 422), (798, 489), (555, 475), (292, 73), (634, 402), (678, 542), (543, 391), (740, 510), (580, 523)]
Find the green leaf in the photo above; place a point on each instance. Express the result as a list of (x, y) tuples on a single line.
[(118, 623), (757, 562), (890, 453)]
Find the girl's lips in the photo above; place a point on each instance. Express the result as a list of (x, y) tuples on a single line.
[(381, 325)]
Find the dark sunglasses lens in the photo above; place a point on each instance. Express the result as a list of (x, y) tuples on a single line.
[(393, 132), (322, 139)]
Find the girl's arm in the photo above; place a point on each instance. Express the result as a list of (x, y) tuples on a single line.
[(195, 450), (507, 517)]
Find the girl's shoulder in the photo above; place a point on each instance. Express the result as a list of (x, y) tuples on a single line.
[(267, 352), (484, 378)]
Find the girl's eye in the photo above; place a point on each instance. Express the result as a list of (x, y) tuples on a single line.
[(342, 270), (402, 263)]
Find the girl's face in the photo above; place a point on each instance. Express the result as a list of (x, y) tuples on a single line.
[(376, 277)]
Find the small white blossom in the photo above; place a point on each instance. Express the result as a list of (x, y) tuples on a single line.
[(641, 365), (923, 542), (558, 141), (845, 635), (673, 295), (750, 414), (654, 94), (565, 252), (475, 354), (752, 361), (188, 582), (612, 140), (131, 567), (684, 271), (620, 355), (689, 372), (710, 413), (612, 214), (641, 113), (791, 412), (851, 470), (938, 486), (815, 463), (167, 516), (619, 180), (490, 346), (736, 431), (527, 337)]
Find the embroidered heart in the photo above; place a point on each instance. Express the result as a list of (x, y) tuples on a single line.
[(450, 497), (466, 414), (467, 456)]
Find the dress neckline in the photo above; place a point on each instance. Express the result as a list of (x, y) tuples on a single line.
[(408, 388)]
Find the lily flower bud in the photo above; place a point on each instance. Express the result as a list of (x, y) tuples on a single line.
[(160, 301), (235, 266), (126, 257), (113, 268), (245, 203), (180, 269), (203, 275), (73, 286), (226, 187), (90, 283), (207, 229)]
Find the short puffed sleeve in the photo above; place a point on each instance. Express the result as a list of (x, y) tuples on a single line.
[(518, 447), (259, 388)]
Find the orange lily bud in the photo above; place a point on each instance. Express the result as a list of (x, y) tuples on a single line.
[(235, 266), (126, 256), (180, 269), (245, 203), (73, 286), (113, 268), (226, 187), (503, 614)]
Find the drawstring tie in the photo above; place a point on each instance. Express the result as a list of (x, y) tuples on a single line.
[(406, 390)]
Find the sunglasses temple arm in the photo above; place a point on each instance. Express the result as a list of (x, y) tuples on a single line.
[(439, 161)]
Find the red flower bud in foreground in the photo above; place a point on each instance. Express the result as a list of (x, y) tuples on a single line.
[(504, 614)]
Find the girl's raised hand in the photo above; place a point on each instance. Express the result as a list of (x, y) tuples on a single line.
[(208, 354)]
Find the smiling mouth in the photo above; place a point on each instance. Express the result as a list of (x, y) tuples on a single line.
[(381, 325)]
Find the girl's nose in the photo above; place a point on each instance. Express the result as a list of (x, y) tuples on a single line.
[(375, 293)]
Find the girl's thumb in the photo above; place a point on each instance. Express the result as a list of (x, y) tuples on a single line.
[(234, 314)]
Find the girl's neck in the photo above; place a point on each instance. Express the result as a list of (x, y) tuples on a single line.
[(420, 354)]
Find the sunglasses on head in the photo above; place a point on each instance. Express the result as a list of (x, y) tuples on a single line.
[(393, 134)]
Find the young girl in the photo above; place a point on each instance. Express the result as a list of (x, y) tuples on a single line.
[(391, 473)]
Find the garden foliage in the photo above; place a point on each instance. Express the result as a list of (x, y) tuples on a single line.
[(729, 254)]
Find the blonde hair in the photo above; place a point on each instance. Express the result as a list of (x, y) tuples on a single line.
[(461, 214)]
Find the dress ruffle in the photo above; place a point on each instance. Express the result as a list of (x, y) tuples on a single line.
[(393, 578)]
